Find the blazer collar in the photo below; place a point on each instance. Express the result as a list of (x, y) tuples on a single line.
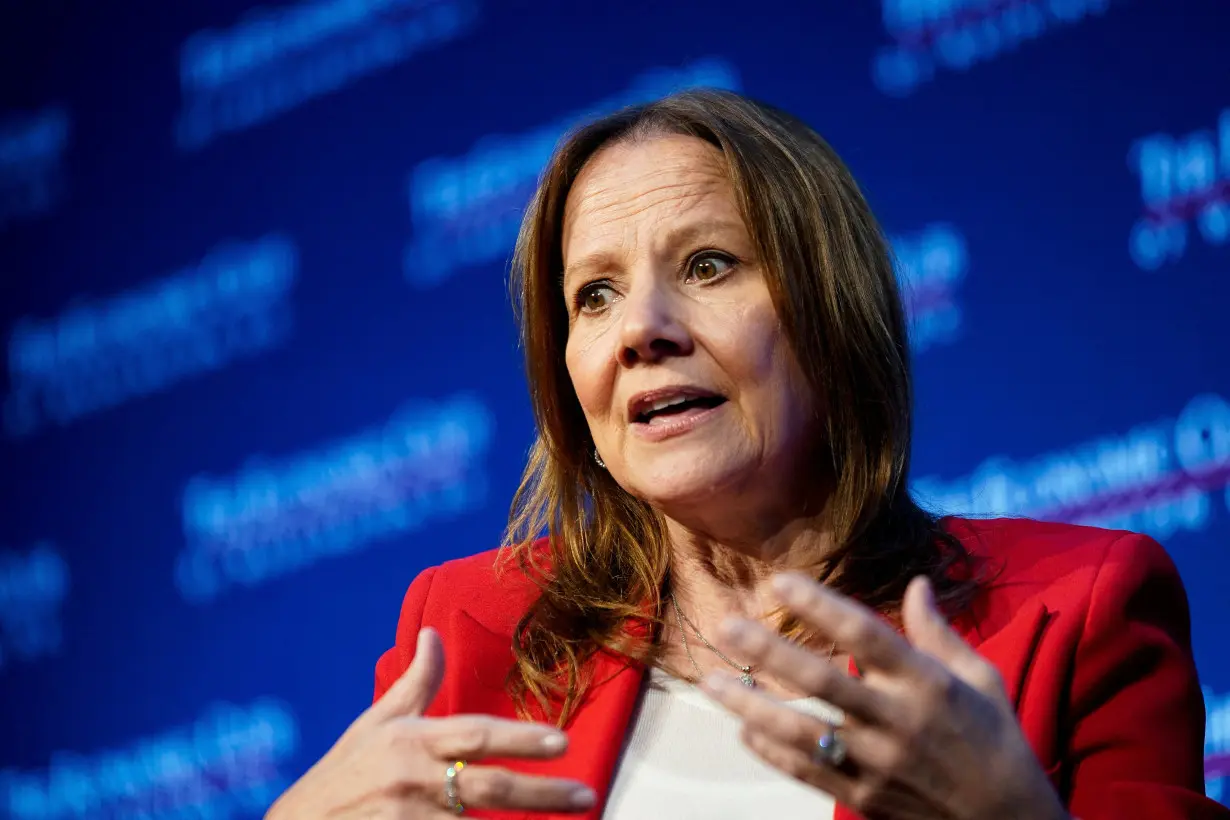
[(595, 733), (601, 721)]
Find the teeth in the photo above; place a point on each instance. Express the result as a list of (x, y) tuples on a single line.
[(662, 404)]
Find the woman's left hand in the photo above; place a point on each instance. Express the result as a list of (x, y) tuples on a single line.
[(928, 729)]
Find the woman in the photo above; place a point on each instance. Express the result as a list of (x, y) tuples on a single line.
[(739, 611)]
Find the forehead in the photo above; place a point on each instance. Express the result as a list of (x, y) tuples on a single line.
[(648, 180)]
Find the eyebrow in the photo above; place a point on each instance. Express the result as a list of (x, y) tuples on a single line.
[(688, 234)]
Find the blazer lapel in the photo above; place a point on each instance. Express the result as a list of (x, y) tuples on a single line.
[(595, 734), (1012, 649)]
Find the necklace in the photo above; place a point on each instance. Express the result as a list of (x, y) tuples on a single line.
[(746, 671)]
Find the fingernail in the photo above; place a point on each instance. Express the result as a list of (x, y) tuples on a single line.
[(582, 797), (716, 682), (554, 741)]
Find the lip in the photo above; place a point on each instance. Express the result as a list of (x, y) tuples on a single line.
[(670, 426), (643, 401), (674, 425)]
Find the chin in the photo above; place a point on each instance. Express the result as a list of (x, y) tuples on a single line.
[(685, 480)]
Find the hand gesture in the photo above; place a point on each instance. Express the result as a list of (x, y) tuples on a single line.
[(391, 761), (928, 730)]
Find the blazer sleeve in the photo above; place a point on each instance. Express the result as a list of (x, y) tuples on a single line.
[(1137, 743), (397, 659)]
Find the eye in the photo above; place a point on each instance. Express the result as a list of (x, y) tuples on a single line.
[(709, 265), (594, 297)]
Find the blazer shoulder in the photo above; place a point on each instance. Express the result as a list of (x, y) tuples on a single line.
[(1061, 566), (1024, 548), (473, 584), (493, 591)]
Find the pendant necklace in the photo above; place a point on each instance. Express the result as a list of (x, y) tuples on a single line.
[(745, 676)]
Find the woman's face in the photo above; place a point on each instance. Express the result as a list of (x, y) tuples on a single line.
[(692, 393)]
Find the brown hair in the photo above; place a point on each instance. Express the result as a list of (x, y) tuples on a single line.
[(605, 561)]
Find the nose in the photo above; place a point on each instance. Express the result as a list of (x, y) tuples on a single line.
[(652, 327)]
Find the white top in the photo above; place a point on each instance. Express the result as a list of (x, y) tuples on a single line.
[(683, 760)]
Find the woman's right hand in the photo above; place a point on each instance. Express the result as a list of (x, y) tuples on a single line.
[(391, 761)]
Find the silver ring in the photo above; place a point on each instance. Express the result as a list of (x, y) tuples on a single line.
[(830, 748), (451, 797)]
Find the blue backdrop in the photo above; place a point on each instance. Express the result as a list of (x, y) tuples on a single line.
[(261, 367)]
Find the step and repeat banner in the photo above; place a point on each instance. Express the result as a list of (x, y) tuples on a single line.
[(260, 366)]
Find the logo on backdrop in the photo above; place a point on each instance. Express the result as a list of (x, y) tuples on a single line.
[(278, 59), (466, 210), (99, 354), (274, 517), (228, 762), (1159, 478), (930, 265), (31, 159), (33, 586), (1217, 745), (1183, 180), (934, 35)]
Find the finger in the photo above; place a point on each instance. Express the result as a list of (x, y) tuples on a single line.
[(929, 631), (880, 755), (869, 794), (494, 787), (867, 749), (806, 671), (473, 737), (926, 628), (799, 764), (857, 629), (765, 713), (413, 692)]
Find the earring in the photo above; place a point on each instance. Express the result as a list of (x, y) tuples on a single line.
[(598, 460)]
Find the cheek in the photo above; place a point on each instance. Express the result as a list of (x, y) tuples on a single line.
[(761, 359), (586, 368), (799, 410), (756, 344)]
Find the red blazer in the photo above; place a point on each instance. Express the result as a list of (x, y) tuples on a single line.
[(1089, 628)]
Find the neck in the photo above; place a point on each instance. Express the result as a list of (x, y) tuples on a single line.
[(714, 577)]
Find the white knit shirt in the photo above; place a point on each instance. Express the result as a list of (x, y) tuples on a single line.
[(683, 760)]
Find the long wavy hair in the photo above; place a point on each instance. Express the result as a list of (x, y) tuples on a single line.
[(599, 556)]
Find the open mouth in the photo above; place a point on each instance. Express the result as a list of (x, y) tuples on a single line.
[(677, 406)]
